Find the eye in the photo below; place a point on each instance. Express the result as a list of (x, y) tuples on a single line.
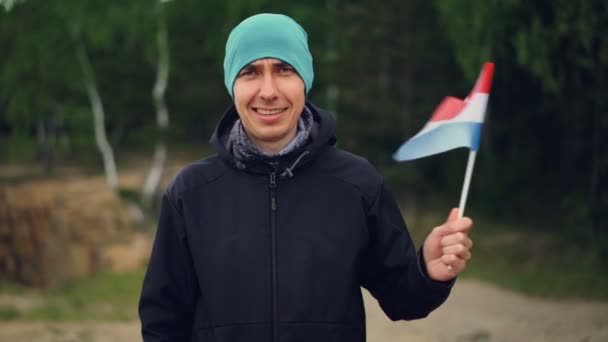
[(247, 72), (285, 70)]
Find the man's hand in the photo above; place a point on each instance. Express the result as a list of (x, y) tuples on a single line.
[(447, 249)]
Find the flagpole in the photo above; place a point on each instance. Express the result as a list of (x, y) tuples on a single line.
[(467, 182)]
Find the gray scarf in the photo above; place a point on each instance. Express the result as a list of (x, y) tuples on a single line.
[(243, 148)]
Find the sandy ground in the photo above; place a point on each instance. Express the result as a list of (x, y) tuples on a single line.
[(476, 312), (481, 312)]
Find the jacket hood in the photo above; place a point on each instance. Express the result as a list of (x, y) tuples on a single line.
[(323, 135)]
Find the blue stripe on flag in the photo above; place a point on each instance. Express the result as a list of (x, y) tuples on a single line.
[(443, 138)]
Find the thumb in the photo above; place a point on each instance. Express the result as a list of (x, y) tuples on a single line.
[(453, 215)]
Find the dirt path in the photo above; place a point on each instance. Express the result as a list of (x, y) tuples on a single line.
[(481, 312), (475, 312)]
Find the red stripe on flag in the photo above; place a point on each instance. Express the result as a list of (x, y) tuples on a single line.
[(448, 108), (484, 82)]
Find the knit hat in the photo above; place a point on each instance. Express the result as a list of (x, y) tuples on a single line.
[(267, 36)]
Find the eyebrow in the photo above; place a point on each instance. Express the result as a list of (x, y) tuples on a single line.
[(275, 64), (282, 64)]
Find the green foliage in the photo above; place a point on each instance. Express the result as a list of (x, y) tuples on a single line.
[(380, 69), (119, 39), (543, 145), (21, 148)]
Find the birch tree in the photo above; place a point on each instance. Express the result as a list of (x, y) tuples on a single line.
[(156, 171), (97, 109)]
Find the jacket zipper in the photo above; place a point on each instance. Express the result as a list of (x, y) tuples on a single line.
[(273, 237)]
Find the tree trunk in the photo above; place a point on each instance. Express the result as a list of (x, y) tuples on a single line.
[(594, 205), (98, 117), (154, 174), (162, 115), (46, 140)]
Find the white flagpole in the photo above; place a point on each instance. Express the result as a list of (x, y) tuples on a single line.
[(467, 182)]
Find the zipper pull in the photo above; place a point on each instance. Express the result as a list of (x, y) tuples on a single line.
[(273, 187), (273, 204)]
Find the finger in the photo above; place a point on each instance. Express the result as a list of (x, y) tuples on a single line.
[(453, 214), (459, 250), (455, 239), (453, 263), (459, 225)]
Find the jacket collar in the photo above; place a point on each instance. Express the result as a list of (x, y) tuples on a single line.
[(323, 135)]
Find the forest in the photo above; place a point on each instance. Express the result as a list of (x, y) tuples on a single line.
[(91, 82)]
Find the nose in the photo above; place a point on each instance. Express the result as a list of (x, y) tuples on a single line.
[(268, 89)]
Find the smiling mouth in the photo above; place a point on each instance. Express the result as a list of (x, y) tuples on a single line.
[(263, 111)]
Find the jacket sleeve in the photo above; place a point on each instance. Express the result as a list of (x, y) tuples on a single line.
[(168, 296), (392, 270)]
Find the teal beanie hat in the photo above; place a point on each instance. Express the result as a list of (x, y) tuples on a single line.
[(267, 36)]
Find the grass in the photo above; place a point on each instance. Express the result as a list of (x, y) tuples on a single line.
[(105, 296), (522, 259), (11, 288), (540, 264), (9, 313)]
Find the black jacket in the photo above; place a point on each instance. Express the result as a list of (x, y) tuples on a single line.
[(255, 251)]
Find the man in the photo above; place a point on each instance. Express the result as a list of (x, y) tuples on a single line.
[(271, 238)]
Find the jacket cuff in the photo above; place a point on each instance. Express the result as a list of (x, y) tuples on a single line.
[(422, 270)]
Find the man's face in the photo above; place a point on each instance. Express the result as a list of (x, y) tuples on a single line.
[(269, 97)]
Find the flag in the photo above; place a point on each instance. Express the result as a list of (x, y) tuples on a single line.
[(455, 123)]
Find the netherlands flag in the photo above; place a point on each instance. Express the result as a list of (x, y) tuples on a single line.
[(455, 123)]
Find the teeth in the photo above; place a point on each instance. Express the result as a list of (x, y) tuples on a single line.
[(269, 111)]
